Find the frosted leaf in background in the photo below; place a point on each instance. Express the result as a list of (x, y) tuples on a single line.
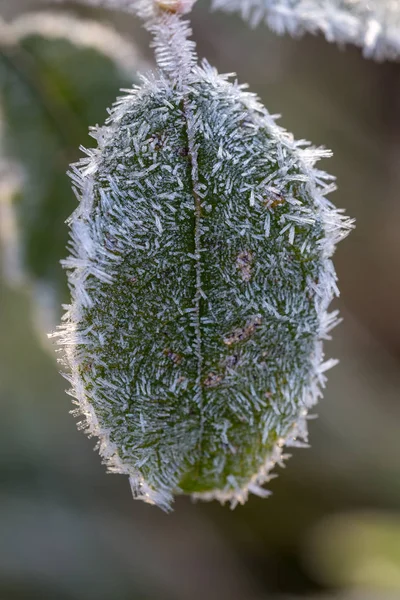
[(10, 182), (57, 76), (374, 26), (124, 5), (201, 276)]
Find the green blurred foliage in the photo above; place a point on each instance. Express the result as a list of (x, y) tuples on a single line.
[(358, 549), (50, 92)]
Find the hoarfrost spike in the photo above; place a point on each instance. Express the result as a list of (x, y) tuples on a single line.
[(374, 26), (201, 277)]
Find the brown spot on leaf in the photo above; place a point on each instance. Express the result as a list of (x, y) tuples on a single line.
[(157, 139), (274, 200), (183, 151), (244, 263), (174, 356), (243, 333), (212, 380)]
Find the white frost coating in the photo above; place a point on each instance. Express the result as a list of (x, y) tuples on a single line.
[(374, 26), (336, 228), (132, 203)]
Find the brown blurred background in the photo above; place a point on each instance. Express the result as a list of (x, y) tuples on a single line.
[(331, 530)]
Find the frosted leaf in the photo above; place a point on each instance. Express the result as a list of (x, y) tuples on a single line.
[(10, 182), (123, 5), (201, 275), (57, 74), (374, 26)]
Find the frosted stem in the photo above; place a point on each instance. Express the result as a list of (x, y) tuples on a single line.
[(175, 53)]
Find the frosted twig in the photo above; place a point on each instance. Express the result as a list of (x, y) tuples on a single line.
[(374, 26)]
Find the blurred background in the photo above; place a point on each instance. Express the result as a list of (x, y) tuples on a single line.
[(68, 531)]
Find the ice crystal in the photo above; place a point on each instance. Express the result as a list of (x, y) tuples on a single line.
[(375, 26), (201, 275)]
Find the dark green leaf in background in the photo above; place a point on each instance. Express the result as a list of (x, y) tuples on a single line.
[(52, 88)]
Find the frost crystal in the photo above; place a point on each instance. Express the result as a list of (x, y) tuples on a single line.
[(201, 275), (375, 26)]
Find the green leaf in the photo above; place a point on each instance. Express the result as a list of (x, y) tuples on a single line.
[(201, 278)]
